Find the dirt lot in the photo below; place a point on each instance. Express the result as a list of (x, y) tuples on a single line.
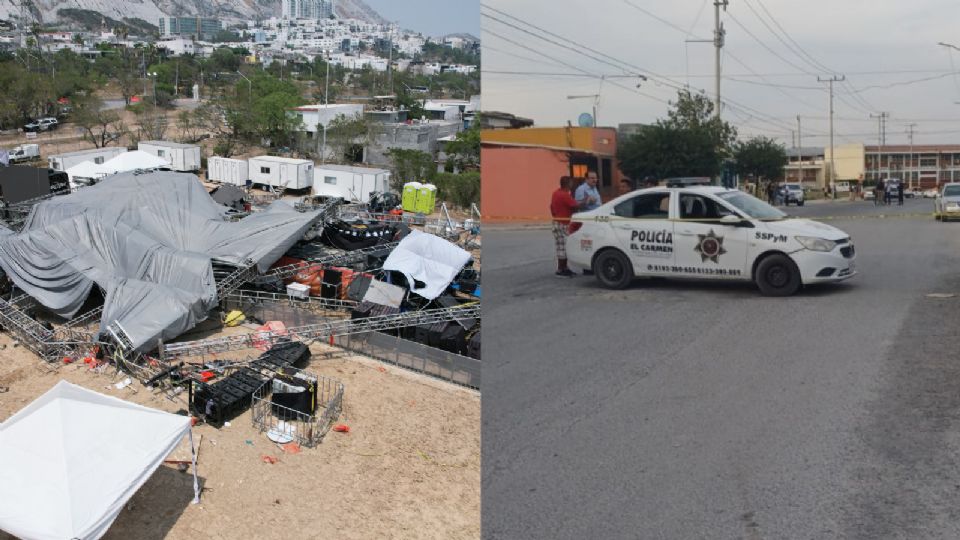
[(408, 468)]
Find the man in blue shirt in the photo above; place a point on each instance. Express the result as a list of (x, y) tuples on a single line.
[(587, 195)]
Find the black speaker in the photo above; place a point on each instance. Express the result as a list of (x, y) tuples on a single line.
[(473, 346), (362, 310), (330, 286), (295, 393), (453, 339)]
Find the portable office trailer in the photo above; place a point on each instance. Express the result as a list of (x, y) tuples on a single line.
[(351, 183), (281, 172), (62, 162), (228, 171), (182, 157)]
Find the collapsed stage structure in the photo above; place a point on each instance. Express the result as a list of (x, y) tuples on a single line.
[(149, 255)]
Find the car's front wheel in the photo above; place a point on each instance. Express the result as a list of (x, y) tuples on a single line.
[(777, 275), (613, 269)]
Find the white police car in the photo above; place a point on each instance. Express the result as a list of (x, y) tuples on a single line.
[(707, 232)]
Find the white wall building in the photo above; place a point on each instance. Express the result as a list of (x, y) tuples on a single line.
[(314, 117)]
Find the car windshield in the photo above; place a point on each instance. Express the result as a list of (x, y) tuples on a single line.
[(793, 188), (951, 191), (751, 206)]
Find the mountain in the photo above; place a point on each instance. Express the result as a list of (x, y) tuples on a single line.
[(230, 11)]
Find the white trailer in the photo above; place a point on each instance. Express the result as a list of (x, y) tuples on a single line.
[(25, 152), (62, 162), (182, 157), (281, 172), (351, 183), (228, 171)]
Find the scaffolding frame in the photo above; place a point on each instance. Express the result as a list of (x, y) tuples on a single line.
[(319, 331), (309, 303)]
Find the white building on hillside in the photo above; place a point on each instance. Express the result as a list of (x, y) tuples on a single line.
[(315, 117)]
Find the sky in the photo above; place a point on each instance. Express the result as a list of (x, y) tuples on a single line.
[(432, 17), (774, 53)]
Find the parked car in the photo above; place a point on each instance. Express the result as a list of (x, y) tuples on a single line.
[(909, 193), (707, 232), (42, 124), (930, 194), (793, 193), (869, 195), (947, 204)]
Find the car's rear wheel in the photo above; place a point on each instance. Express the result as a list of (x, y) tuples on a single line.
[(613, 269), (777, 275), (800, 203)]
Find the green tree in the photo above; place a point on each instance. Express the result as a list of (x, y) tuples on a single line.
[(664, 151), (696, 112), (463, 153), (459, 189), (410, 165), (101, 127), (762, 158), (345, 133)]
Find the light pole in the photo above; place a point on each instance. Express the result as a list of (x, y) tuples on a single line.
[(249, 85), (153, 76), (326, 103)]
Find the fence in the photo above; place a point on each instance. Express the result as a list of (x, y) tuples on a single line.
[(414, 356), (306, 429)]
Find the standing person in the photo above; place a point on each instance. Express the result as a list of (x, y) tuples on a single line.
[(587, 195), (625, 187), (770, 192), (889, 193), (899, 193), (562, 206), (878, 193), (649, 182)]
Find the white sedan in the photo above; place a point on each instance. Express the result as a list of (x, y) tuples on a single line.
[(707, 233)]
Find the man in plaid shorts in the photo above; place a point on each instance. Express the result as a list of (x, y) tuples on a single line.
[(562, 206)]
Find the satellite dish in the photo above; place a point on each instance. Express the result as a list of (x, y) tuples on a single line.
[(585, 120)]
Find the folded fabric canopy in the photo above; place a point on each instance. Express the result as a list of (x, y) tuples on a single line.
[(428, 259), (148, 241), (86, 169), (74, 457)]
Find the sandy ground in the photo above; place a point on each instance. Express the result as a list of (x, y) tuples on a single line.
[(408, 468)]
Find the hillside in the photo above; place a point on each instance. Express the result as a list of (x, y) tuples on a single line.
[(231, 11)]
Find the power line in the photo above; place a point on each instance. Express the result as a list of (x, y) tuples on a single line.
[(573, 66), (663, 80), (664, 21)]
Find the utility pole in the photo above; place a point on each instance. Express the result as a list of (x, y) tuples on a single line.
[(800, 151), (718, 34), (833, 173), (881, 136), (910, 127), (390, 63)]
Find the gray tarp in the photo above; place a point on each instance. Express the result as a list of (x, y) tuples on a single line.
[(149, 241)]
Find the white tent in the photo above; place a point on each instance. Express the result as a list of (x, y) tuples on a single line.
[(85, 169), (427, 258), (73, 457), (137, 159)]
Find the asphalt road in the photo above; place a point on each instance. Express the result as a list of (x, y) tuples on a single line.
[(692, 410)]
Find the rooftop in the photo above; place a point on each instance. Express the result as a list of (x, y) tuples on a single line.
[(170, 144), (280, 159), (351, 168)]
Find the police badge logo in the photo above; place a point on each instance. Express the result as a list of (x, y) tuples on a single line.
[(710, 247)]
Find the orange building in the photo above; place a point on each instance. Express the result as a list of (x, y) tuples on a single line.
[(522, 168)]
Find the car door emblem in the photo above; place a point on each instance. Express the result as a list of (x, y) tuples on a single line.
[(710, 247)]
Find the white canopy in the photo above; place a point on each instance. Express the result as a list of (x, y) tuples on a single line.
[(86, 169), (427, 258), (130, 161), (73, 457)]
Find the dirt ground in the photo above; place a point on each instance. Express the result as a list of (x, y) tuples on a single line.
[(408, 468)]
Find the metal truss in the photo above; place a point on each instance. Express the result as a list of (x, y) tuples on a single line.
[(321, 331), (332, 260), (324, 304)]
